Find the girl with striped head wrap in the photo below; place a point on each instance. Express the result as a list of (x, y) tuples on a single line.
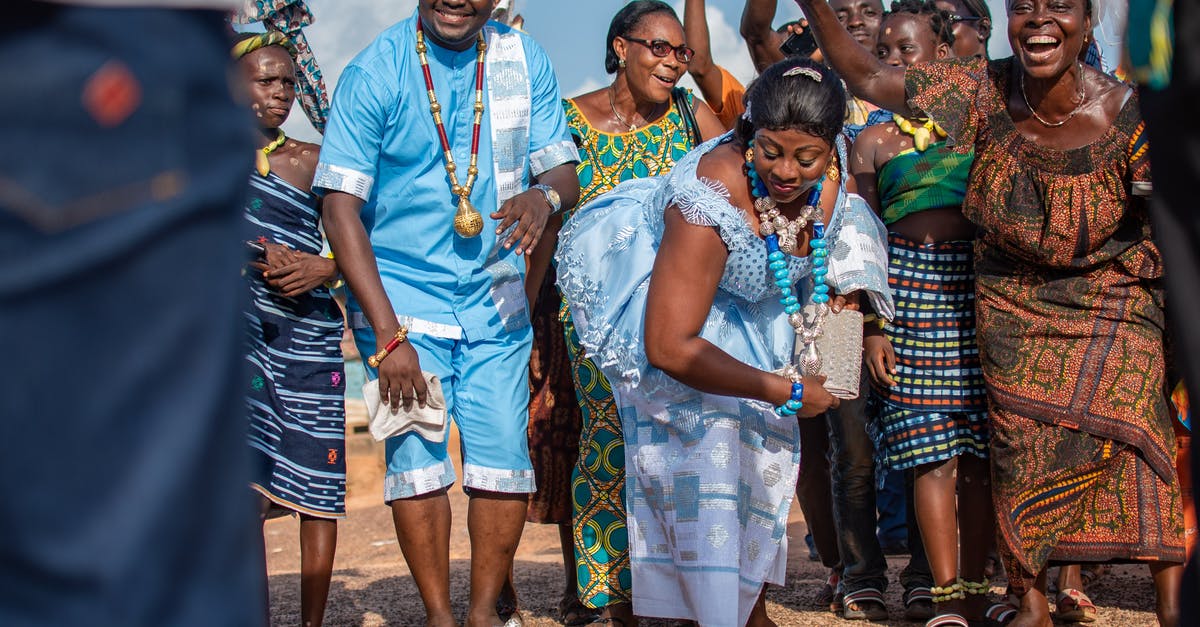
[(296, 376)]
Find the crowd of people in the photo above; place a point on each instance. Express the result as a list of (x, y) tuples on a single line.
[(888, 264)]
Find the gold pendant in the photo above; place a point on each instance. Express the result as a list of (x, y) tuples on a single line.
[(261, 164), (467, 220)]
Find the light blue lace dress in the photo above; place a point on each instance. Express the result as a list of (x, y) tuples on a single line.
[(710, 478)]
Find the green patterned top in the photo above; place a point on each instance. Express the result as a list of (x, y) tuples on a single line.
[(914, 181), (607, 159)]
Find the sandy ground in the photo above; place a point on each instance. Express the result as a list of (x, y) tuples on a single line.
[(372, 585)]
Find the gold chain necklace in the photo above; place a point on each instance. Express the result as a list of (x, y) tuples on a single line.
[(260, 156), (613, 105), (467, 220), (1082, 99), (922, 132)]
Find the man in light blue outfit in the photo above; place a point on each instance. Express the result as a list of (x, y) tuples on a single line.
[(395, 166)]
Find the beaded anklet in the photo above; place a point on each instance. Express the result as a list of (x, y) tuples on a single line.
[(941, 594), (975, 587)]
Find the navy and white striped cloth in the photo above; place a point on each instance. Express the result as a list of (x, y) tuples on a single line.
[(296, 379)]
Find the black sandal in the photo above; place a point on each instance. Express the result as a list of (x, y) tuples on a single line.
[(607, 620), (918, 603), (865, 604), (573, 613)]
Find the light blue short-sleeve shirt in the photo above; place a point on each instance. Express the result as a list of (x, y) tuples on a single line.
[(381, 144)]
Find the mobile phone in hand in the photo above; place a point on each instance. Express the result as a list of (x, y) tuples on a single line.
[(803, 44), (255, 249)]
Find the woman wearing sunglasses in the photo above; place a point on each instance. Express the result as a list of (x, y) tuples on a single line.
[(971, 22), (637, 126)]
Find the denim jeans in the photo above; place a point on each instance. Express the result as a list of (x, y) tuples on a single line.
[(121, 178), (892, 528), (813, 491), (853, 480), (916, 573), (840, 507)]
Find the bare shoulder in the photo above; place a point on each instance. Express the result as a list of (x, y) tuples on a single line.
[(304, 156), (872, 133), (726, 164), (877, 144), (1109, 91), (593, 105), (723, 162)]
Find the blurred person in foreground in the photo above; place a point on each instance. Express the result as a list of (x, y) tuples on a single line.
[(1162, 43), (435, 131), (124, 165)]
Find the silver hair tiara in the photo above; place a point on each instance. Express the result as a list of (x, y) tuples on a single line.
[(804, 71)]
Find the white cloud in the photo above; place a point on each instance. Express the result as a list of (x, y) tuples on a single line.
[(589, 84)]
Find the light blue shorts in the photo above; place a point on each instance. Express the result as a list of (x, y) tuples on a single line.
[(486, 383)]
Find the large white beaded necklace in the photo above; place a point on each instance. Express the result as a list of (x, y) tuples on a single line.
[(781, 236)]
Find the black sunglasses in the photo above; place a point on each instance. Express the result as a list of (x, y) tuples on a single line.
[(661, 48), (954, 19)]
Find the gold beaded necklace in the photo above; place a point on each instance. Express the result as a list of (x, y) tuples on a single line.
[(260, 156), (467, 220), (922, 132)]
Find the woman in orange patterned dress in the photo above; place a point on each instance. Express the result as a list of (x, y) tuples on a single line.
[(1069, 294)]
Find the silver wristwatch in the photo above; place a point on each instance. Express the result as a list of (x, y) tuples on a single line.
[(551, 196)]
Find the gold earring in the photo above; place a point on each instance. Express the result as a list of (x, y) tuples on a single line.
[(620, 62), (833, 173)]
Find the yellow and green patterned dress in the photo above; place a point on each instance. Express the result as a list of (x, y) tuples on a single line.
[(598, 483)]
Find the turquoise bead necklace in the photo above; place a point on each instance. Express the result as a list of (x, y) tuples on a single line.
[(781, 237)]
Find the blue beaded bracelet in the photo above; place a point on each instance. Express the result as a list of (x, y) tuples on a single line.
[(794, 403)]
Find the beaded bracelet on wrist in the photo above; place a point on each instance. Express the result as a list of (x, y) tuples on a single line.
[(398, 339), (794, 403)]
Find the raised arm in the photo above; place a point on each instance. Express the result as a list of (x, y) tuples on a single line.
[(702, 68), (867, 78), (761, 39)]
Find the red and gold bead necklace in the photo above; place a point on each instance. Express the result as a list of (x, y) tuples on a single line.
[(467, 220)]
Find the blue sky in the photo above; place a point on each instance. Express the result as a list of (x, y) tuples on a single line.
[(571, 31)]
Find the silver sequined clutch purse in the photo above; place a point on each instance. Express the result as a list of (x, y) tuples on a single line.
[(840, 348)]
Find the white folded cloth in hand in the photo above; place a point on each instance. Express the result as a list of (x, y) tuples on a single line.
[(429, 421)]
